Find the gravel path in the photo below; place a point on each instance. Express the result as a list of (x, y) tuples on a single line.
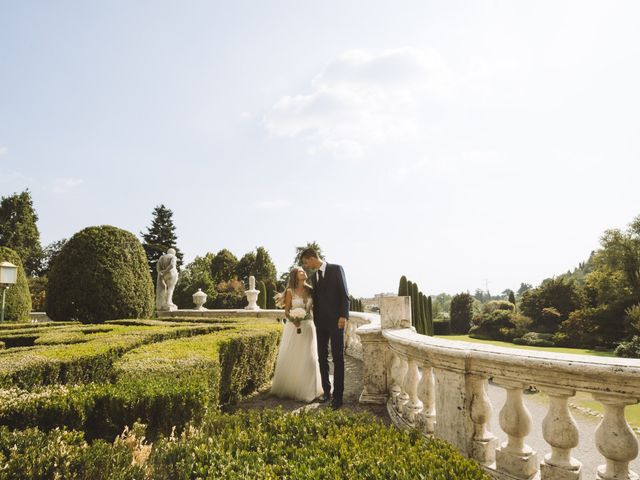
[(586, 451)]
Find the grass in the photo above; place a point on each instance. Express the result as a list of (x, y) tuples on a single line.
[(582, 399), (575, 351)]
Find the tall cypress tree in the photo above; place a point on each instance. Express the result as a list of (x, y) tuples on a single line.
[(262, 296), (419, 314), (430, 329), (18, 230), (415, 312), (403, 290), (160, 236)]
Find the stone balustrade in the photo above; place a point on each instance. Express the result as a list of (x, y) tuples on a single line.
[(440, 387)]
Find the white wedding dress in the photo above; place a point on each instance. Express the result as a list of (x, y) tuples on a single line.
[(297, 374)]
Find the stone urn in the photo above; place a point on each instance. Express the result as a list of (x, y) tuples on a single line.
[(252, 295), (199, 299)]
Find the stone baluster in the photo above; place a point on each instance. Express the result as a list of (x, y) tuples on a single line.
[(560, 430), (414, 405), (614, 438), (514, 456), (394, 374), (484, 443), (427, 394), (403, 398)]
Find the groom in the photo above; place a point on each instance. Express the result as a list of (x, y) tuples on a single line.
[(330, 314)]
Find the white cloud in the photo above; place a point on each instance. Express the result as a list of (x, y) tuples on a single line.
[(63, 185), (3, 151), (271, 204), (361, 99)]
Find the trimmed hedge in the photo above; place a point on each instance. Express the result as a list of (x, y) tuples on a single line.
[(60, 454), (91, 361), (164, 385), (442, 327), (100, 274), (267, 444), (18, 298), (247, 445)]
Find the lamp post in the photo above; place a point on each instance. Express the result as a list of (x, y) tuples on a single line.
[(8, 276)]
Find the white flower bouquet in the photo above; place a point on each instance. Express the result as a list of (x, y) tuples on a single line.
[(297, 315)]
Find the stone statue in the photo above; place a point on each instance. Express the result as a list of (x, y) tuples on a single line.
[(167, 279)]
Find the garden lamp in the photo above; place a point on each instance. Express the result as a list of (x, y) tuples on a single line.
[(8, 276)]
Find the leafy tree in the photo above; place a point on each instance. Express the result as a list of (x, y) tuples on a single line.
[(246, 267), (230, 295), (49, 254), (523, 288), (160, 236), (196, 275), (559, 293), (621, 251), (18, 230), (461, 313), (265, 269), (224, 266)]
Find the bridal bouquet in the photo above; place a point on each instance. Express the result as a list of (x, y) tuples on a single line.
[(298, 314)]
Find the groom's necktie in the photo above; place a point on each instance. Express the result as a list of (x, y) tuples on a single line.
[(319, 276)]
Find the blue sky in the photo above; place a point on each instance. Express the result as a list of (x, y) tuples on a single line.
[(458, 143)]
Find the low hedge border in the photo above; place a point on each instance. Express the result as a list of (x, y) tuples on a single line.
[(163, 384), (91, 361), (258, 445)]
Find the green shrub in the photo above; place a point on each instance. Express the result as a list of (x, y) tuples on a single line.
[(165, 385), (100, 274), (91, 361), (535, 339), (494, 305), (18, 298), (442, 327), (630, 349), (60, 454), (268, 445)]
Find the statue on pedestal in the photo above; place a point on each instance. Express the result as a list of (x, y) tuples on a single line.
[(167, 279)]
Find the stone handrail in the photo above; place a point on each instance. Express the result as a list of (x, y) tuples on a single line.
[(440, 387)]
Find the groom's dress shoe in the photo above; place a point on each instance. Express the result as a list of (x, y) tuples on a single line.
[(324, 398), (336, 404)]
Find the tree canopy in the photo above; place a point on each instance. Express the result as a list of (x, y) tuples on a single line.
[(18, 230), (160, 236)]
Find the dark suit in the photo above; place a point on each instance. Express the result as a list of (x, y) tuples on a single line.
[(330, 302)]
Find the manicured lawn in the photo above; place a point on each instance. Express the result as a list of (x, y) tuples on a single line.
[(577, 351), (582, 399)]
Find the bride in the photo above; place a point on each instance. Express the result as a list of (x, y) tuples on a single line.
[(297, 373)]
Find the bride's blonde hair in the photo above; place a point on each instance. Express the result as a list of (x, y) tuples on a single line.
[(291, 285)]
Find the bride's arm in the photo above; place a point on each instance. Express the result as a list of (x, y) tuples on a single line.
[(287, 302)]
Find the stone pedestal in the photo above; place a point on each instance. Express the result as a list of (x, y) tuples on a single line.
[(453, 400), (395, 312), (374, 354), (551, 472)]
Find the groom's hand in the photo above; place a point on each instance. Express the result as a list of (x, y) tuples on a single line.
[(342, 322)]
